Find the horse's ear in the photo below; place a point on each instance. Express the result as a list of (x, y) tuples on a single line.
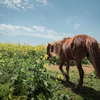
[(52, 48), (48, 46), (48, 43)]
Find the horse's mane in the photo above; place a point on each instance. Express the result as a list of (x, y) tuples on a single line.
[(57, 45)]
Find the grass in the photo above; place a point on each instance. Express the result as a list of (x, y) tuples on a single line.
[(89, 91)]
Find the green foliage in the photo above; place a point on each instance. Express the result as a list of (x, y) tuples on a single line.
[(85, 61), (54, 60), (24, 67), (24, 76)]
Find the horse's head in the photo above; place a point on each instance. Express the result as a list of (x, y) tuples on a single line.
[(50, 49)]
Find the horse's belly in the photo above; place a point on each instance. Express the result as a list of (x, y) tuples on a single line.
[(69, 57)]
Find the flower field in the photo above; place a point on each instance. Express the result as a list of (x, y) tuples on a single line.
[(23, 74)]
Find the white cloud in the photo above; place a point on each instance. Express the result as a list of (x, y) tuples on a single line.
[(42, 1), (39, 29), (76, 26), (4, 26), (24, 4), (34, 31), (43, 30), (31, 7), (51, 32), (69, 20), (27, 29), (16, 1), (17, 4)]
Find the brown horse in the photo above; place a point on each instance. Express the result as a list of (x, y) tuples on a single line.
[(75, 49)]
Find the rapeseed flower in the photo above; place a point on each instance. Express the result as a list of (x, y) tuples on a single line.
[(0, 56), (45, 66), (45, 57), (10, 96), (41, 57), (0, 53), (60, 77), (12, 62), (52, 61)]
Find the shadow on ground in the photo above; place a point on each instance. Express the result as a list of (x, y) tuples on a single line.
[(87, 93)]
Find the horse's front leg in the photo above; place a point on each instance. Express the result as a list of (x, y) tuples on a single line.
[(61, 69), (67, 69)]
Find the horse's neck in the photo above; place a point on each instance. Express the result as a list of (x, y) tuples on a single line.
[(57, 48)]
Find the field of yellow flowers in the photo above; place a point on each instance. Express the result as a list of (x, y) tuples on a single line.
[(23, 74)]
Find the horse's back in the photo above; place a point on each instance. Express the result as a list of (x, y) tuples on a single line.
[(80, 39), (75, 47), (67, 49)]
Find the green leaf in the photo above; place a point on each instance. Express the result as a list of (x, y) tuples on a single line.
[(32, 98), (66, 97), (1, 73), (45, 82)]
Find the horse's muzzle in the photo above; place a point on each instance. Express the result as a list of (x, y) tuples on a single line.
[(49, 56)]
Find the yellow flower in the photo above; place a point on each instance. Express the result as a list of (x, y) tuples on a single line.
[(60, 77), (3, 61), (45, 57), (45, 66), (41, 56), (11, 59), (12, 62), (1, 54), (3, 64), (52, 61), (10, 96), (39, 69), (56, 80)]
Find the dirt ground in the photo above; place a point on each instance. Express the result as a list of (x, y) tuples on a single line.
[(87, 69)]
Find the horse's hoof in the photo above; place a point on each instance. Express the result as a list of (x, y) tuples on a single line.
[(78, 87), (67, 78)]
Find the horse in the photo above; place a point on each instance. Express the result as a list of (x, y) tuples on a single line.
[(76, 49)]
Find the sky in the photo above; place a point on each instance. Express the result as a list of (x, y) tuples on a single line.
[(44, 21)]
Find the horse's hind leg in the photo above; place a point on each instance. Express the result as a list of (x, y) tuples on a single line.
[(81, 73), (67, 69), (89, 58)]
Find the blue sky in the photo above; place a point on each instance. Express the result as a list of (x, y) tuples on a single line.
[(42, 21)]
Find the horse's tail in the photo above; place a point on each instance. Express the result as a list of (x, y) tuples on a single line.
[(94, 54)]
